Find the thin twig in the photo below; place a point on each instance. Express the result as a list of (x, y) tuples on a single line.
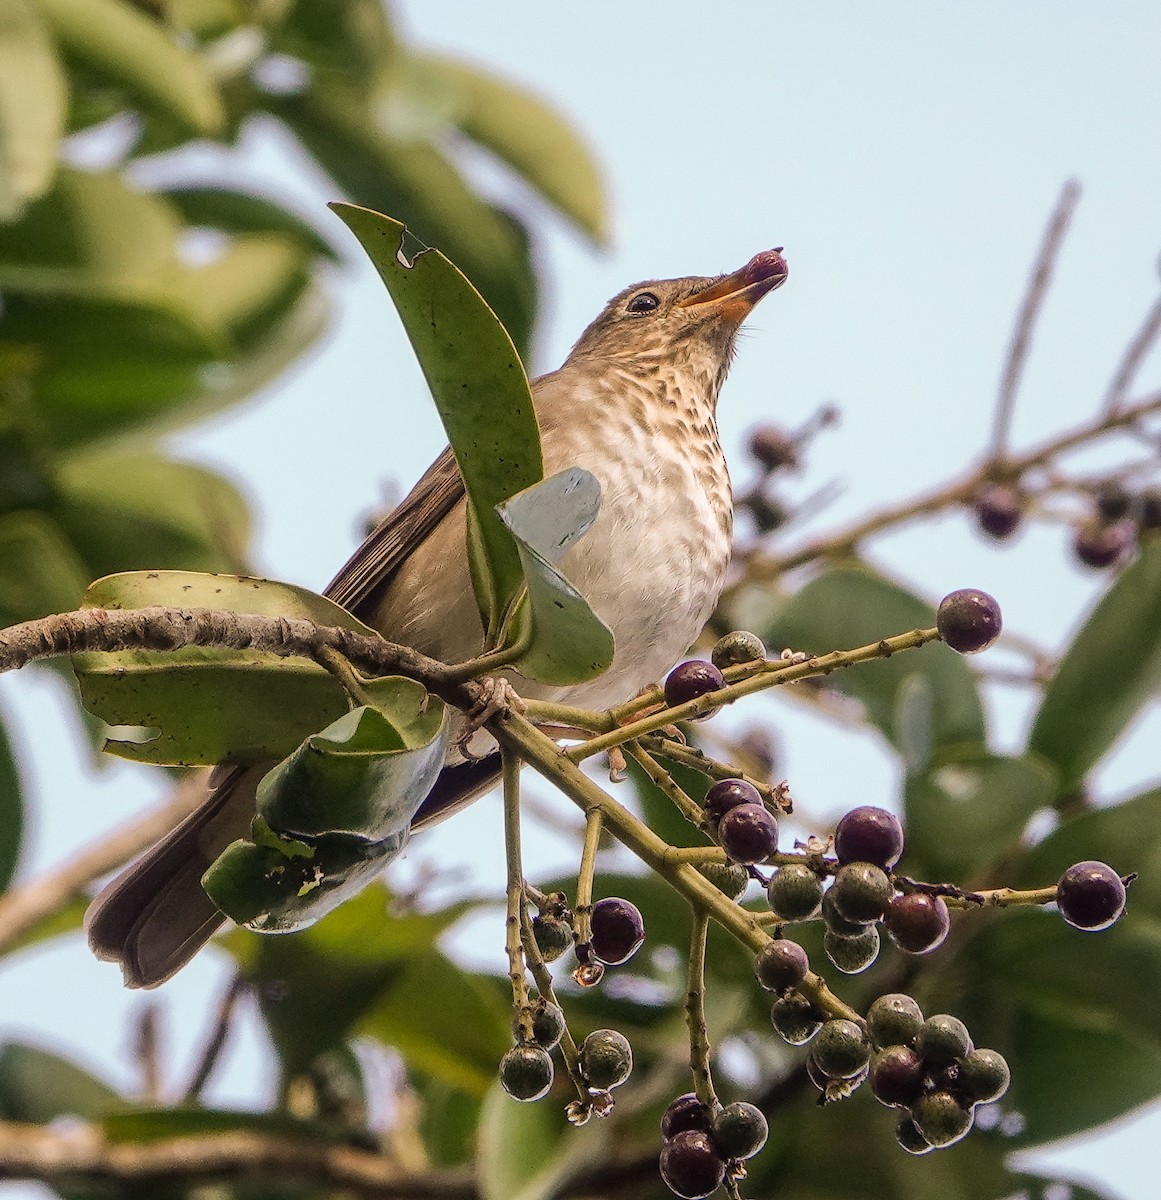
[(699, 1048), (1135, 353), (1029, 311), (216, 1041), (515, 902)]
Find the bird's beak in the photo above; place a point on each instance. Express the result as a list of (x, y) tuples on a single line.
[(735, 295)]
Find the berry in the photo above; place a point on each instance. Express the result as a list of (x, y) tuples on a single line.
[(781, 965), (1100, 546), (998, 509), (941, 1118), (686, 1112), (894, 1020), (869, 834), (773, 447), (836, 923), (748, 833), (739, 1131), (1090, 895), (841, 1049), (691, 1165), (1149, 509), (729, 878), (735, 648), (552, 936), (617, 931), (908, 1135), (984, 1076), (727, 794), (918, 922), (689, 680), (606, 1059), (526, 1072), (851, 955), (1113, 501), (968, 620), (943, 1038), (547, 1025), (860, 891), (794, 892), (896, 1076), (767, 511), (795, 1020)]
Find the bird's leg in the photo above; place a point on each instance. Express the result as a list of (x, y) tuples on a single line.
[(497, 695)]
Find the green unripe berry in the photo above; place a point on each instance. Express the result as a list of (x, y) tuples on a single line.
[(526, 1072), (861, 891), (735, 648), (943, 1038), (941, 1118), (894, 1020), (839, 925), (606, 1059), (547, 1025), (739, 1131), (852, 954), (729, 878), (984, 1076), (841, 1049), (908, 1135), (794, 892), (552, 935), (795, 1020)]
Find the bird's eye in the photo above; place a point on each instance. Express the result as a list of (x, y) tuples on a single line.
[(643, 302)]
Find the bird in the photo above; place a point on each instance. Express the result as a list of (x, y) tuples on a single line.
[(634, 403)]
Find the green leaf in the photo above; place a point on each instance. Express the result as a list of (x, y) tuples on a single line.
[(37, 1086), (527, 1151), (847, 607), (349, 37), (1112, 668), (159, 1124), (210, 704), (479, 387), (116, 40), (524, 131), (11, 811), (366, 773), (969, 808), (33, 96), (570, 643), (130, 511), (40, 572)]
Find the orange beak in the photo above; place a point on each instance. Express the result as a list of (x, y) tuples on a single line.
[(735, 295)]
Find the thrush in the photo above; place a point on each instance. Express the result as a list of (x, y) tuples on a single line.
[(635, 403)]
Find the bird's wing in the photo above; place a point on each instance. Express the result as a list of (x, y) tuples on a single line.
[(357, 586)]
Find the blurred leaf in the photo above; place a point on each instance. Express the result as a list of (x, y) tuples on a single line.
[(846, 607), (118, 41), (37, 1086), (350, 37), (528, 1151), (479, 388), (262, 705), (1112, 668), (11, 811), (414, 181), (242, 212), (968, 808), (40, 572), (448, 1118), (91, 234), (33, 96), (570, 643), (523, 130), (158, 1124), (130, 511)]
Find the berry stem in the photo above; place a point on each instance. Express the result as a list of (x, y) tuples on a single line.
[(515, 900), (699, 1047), (684, 803), (583, 910), (712, 768), (1003, 897)]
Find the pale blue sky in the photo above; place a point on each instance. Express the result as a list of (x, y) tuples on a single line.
[(906, 156)]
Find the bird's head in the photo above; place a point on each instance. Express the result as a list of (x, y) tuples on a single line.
[(691, 321)]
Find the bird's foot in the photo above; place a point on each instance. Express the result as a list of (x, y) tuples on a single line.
[(497, 695)]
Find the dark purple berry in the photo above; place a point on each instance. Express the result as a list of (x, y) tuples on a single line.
[(941, 1117), (526, 1072), (617, 931), (1149, 509), (918, 922), (774, 448), (740, 1131), (689, 680), (896, 1076), (691, 1166), (686, 1112), (1100, 546), (1114, 501), (1090, 895), (968, 620), (869, 834), (748, 833), (767, 510), (860, 891), (998, 510), (727, 794), (781, 965)]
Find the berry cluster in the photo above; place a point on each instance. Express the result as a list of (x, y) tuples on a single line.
[(703, 1144), (777, 451)]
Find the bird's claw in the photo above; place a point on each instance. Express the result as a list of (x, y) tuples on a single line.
[(497, 695)]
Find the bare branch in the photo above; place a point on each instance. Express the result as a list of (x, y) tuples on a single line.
[(1135, 353)]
